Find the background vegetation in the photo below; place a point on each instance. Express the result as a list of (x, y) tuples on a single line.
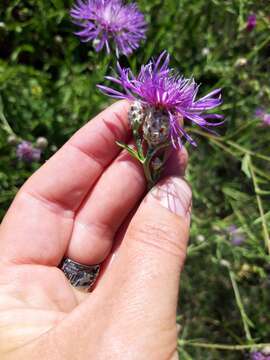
[(48, 88)]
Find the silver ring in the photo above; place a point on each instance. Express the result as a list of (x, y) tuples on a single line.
[(79, 275)]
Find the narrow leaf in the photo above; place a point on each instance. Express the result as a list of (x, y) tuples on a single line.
[(132, 151)]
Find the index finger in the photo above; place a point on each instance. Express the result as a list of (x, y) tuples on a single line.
[(38, 225), (68, 176)]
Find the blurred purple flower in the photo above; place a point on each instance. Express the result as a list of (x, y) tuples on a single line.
[(164, 89), (259, 112), (27, 153), (263, 115), (251, 22), (259, 356), (266, 119), (237, 238), (110, 21)]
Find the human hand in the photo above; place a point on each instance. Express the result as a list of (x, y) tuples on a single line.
[(82, 203)]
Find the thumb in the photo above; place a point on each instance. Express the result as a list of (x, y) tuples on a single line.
[(154, 248)]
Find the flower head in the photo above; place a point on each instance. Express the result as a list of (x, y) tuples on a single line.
[(41, 143), (266, 119), (251, 22), (263, 116), (110, 21), (27, 153), (257, 355), (160, 87)]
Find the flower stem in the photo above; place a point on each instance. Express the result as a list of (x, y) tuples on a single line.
[(5, 123), (221, 346), (260, 206), (245, 320)]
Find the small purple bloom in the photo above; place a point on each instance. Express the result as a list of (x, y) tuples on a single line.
[(259, 112), (266, 119), (251, 22), (259, 356), (161, 87), (27, 153), (110, 21), (237, 237), (231, 229), (263, 115)]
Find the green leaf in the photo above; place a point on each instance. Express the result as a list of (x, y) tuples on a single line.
[(235, 194), (27, 48), (132, 151), (58, 4), (245, 165), (1, 105)]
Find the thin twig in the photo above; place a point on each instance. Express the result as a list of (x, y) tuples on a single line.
[(245, 319), (221, 346), (260, 206)]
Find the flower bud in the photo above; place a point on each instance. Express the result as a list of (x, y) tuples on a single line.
[(156, 127), (241, 62), (12, 140), (200, 238), (53, 148), (205, 51), (41, 143), (225, 263), (58, 39), (136, 114)]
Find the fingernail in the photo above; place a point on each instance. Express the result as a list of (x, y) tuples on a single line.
[(174, 194)]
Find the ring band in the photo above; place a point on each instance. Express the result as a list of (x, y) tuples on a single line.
[(79, 275)]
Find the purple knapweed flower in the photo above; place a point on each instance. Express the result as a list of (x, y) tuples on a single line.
[(263, 115), (251, 22), (257, 355), (27, 152), (107, 22), (162, 88)]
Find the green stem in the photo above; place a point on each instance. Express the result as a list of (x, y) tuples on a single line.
[(221, 346), (6, 125), (260, 206), (185, 355), (247, 151), (245, 319), (138, 143), (258, 48), (218, 141)]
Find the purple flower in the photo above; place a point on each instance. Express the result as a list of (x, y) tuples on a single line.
[(237, 238), (110, 21), (161, 87), (266, 119), (259, 356), (263, 115), (251, 22), (259, 112), (27, 153)]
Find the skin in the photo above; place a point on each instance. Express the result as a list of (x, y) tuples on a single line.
[(89, 202)]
